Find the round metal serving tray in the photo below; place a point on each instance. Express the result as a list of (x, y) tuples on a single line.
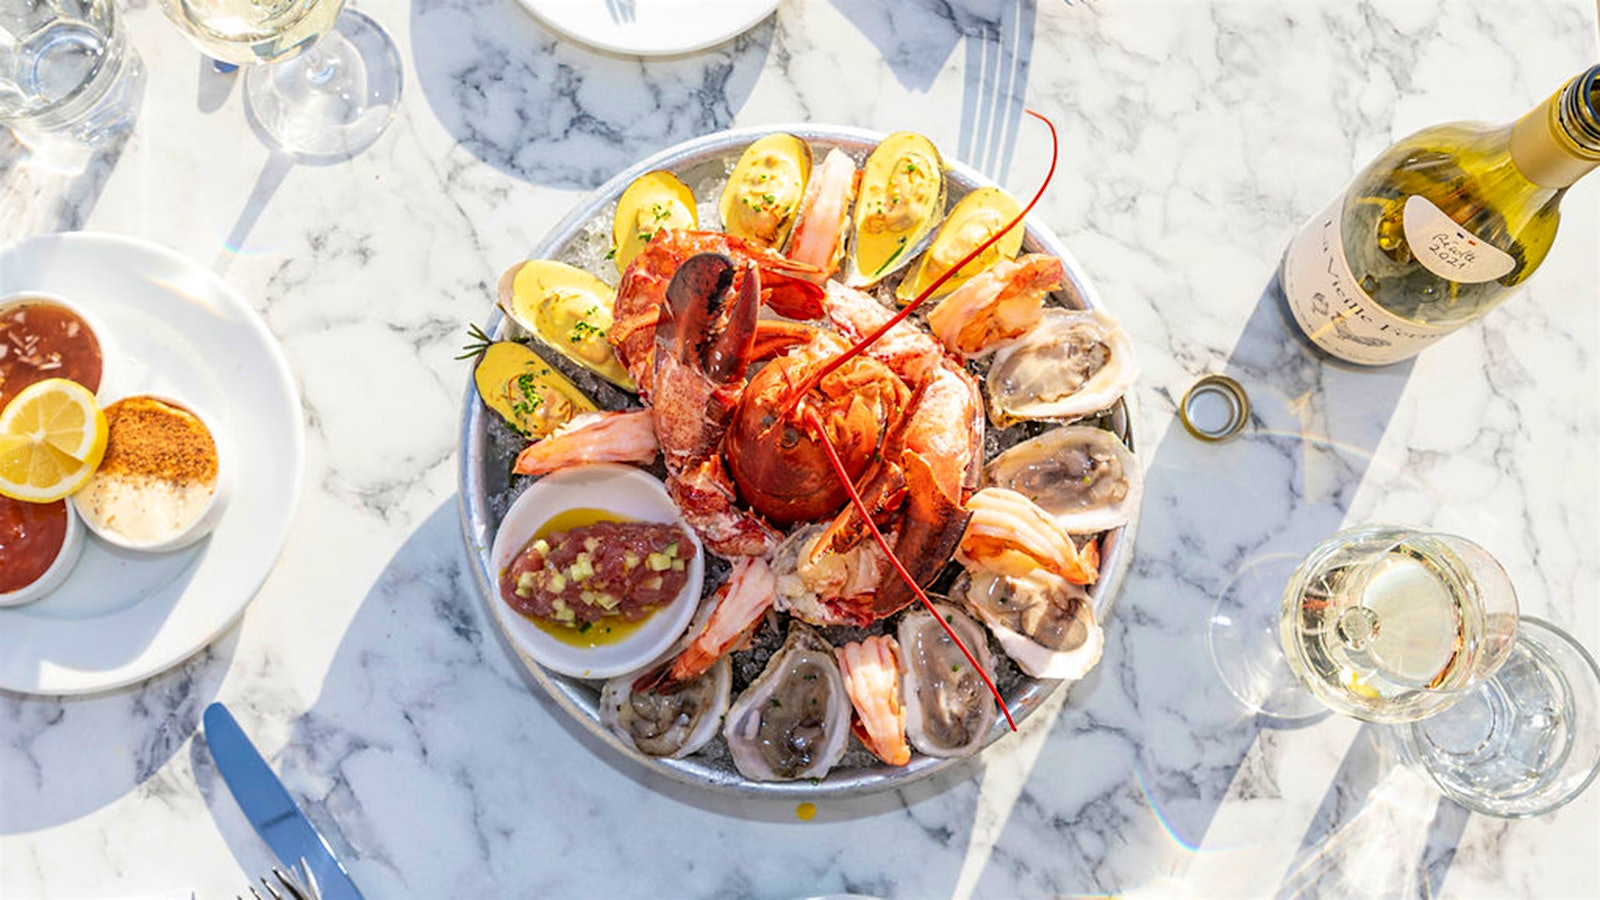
[(488, 448)]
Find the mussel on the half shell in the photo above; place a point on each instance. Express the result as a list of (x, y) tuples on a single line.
[(568, 310), (901, 198), (1084, 477), (949, 710), (794, 720), (1073, 364), (1045, 623), (654, 202), (672, 724), (974, 219), (763, 192)]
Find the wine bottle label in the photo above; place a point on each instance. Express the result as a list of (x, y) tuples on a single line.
[(1332, 309), (1448, 250)]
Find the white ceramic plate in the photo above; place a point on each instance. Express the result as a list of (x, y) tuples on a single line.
[(651, 27), (123, 615), (624, 491)]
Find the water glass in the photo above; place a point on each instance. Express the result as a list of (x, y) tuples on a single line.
[(1524, 742), (66, 68)]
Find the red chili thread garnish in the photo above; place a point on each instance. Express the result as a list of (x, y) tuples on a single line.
[(855, 498), (897, 318)]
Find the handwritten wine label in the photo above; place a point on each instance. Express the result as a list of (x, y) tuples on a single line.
[(1331, 308), (1448, 250)]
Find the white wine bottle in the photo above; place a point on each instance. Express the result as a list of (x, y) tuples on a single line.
[(1439, 229)]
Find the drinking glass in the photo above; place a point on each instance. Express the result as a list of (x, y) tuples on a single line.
[(1525, 741), (66, 68), (320, 80), (1383, 623)]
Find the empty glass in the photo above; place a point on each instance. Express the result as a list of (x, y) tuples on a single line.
[(66, 68)]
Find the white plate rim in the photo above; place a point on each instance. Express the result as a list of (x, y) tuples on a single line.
[(667, 28), (235, 563)]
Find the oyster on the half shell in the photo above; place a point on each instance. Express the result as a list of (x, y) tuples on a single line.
[(1084, 477), (794, 720), (1074, 363), (673, 724), (949, 710), (1045, 623)]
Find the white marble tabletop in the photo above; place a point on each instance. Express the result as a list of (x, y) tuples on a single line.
[(1195, 138)]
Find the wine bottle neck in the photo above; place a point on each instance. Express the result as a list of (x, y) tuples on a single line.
[(1558, 141)]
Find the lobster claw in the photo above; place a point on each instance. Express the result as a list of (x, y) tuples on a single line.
[(708, 323)]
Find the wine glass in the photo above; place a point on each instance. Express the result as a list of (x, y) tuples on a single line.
[(320, 80), (1383, 623)]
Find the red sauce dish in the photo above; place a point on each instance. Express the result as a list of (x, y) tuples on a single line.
[(39, 545), (42, 336)]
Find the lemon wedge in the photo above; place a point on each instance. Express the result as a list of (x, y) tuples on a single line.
[(52, 436)]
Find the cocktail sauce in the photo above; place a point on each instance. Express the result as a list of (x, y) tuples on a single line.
[(40, 339), (31, 537)]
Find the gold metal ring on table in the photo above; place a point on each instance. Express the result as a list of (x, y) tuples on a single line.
[(1199, 410)]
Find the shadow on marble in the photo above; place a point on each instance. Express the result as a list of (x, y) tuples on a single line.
[(1382, 830), (52, 185), (916, 40), (555, 113), (213, 87), (117, 741)]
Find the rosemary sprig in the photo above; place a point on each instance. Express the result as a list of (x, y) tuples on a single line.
[(480, 342)]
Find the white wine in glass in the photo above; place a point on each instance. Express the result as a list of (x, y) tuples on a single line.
[(322, 80), (1390, 625)]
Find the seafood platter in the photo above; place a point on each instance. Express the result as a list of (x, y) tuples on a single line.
[(892, 421)]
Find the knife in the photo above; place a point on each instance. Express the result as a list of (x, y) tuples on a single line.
[(267, 804)]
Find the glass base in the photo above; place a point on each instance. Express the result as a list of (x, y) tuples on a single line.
[(334, 99), (1523, 742), (1242, 635)]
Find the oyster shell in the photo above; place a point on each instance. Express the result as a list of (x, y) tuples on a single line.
[(901, 198), (672, 724), (763, 191), (949, 710), (1045, 623), (1074, 363), (974, 219), (568, 310), (1084, 477), (794, 720), (655, 201)]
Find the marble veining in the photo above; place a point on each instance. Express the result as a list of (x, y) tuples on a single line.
[(1195, 138)]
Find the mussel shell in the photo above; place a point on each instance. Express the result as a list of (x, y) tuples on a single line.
[(763, 192), (567, 310), (794, 720), (1073, 364), (653, 202), (532, 397), (974, 219), (1084, 477), (901, 198)]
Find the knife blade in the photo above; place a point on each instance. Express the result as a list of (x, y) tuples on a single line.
[(267, 804)]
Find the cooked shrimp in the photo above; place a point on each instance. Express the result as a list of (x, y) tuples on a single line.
[(1010, 535), (818, 237), (593, 438), (747, 594), (871, 671), (996, 305)]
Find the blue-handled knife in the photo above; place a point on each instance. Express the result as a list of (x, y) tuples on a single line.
[(268, 806)]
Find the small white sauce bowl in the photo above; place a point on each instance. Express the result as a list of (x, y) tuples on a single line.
[(204, 522), (110, 358), (66, 558), (630, 494)]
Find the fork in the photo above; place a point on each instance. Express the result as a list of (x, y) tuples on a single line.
[(293, 887), (999, 53), (621, 11)]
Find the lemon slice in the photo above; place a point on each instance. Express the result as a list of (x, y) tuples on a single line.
[(52, 436)]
